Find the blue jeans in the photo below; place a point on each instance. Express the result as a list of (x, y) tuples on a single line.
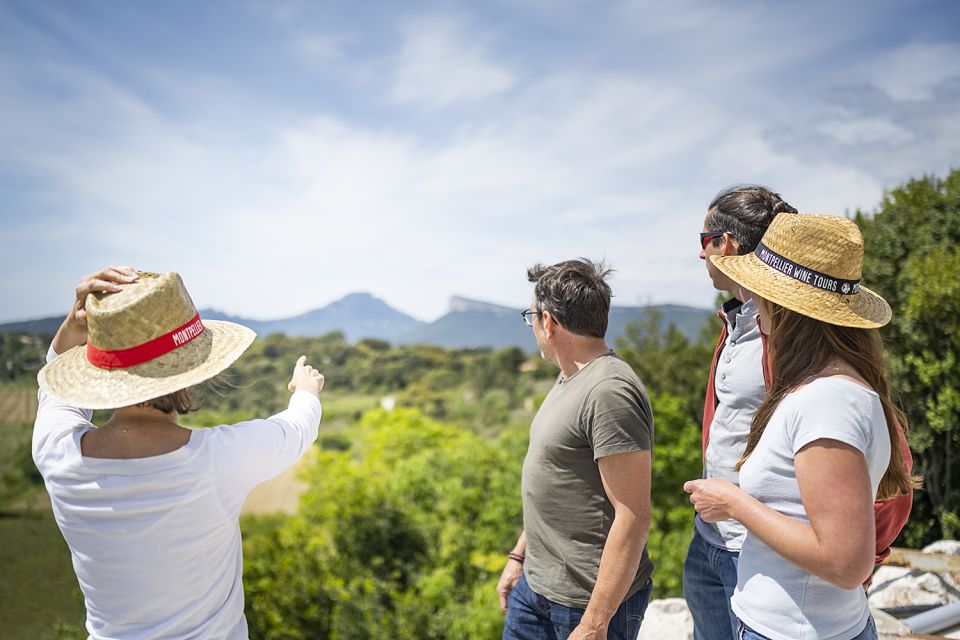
[(530, 616), (869, 632), (709, 580)]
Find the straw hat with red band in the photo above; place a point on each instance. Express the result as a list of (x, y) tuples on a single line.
[(811, 264), (143, 342)]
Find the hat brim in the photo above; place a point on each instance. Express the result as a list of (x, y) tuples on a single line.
[(72, 379), (864, 310)]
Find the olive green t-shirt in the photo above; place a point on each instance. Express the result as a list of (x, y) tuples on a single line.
[(599, 411)]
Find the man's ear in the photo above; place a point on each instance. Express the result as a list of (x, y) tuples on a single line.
[(730, 246), (548, 324)]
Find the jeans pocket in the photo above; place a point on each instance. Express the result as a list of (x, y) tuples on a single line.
[(635, 609), (636, 605), (746, 633)]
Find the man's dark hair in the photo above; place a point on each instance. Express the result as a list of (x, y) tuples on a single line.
[(745, 211), (575, 292)]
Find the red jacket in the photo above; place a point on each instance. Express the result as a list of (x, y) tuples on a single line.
[(891, 514)]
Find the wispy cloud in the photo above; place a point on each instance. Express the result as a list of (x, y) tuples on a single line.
[(419, 155), (443, 62), (913, 71), (321, 48), (854, 131)]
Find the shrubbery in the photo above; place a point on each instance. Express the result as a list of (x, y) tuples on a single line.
[(403, 535)]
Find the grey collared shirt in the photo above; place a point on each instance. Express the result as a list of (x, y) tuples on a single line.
[(739, 390)]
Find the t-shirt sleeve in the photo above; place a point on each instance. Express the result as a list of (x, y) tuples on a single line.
[(617, 418), (255, 451), (55, 421), (829, 412)]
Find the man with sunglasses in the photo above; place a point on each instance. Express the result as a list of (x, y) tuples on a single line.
[(580, 568), (735, 222)]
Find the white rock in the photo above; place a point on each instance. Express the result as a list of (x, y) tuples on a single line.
[(887, 625), (900, 587), (667, 619), (946, 547)]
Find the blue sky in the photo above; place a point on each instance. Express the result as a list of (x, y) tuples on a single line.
[(280, 155)]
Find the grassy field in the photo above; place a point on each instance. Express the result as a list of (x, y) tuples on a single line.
[(17, 404), (38, 588)]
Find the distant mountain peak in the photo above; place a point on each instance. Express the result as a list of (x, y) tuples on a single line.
[(357, 300), (359, 295), (461, 304)]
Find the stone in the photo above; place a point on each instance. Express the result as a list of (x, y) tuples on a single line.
[(901, 587), (946, 547), (667, 619)]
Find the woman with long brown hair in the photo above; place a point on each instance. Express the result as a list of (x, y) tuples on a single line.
[(824, 444)]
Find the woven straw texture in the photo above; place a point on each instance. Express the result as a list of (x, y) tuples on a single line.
[(153, 306), (829, 244)]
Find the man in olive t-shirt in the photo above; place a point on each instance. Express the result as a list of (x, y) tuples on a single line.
[(580, 568)]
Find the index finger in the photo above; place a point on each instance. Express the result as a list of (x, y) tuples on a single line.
[(690, 485), (302, 360)]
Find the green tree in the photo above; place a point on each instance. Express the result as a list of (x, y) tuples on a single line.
[(21, 356), (911, 259), (675, 371), (402, 535), (676, 459), (669, 362)]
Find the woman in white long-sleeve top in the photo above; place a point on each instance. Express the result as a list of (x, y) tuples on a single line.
[(823, 445), (150, 509)]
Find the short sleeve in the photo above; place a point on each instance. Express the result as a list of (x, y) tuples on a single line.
[(617, 418), (833, 410)]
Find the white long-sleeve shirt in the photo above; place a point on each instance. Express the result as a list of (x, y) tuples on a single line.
[(155, 541)]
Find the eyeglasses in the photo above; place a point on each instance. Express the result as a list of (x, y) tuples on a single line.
[(527, 316), (708, 236)]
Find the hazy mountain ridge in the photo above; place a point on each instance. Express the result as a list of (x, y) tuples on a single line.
[(473, 323), (469, 323)]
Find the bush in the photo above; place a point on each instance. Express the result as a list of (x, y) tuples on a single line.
[(402, 535)]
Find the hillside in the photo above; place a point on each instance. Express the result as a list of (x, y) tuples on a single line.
[(471, 323), (468, 323)]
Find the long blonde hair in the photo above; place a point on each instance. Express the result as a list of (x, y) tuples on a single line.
[(823, 344)]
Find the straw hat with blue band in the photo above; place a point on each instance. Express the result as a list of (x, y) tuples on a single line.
[(144, 342), (811, 264)]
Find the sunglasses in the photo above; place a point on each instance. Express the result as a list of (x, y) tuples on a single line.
[(708, 236)]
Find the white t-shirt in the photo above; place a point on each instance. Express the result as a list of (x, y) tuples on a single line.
[(155, 541), (774, 596)]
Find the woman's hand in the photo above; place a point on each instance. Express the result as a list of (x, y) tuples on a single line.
[(73, 331), (713, 499), (305, 378)]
